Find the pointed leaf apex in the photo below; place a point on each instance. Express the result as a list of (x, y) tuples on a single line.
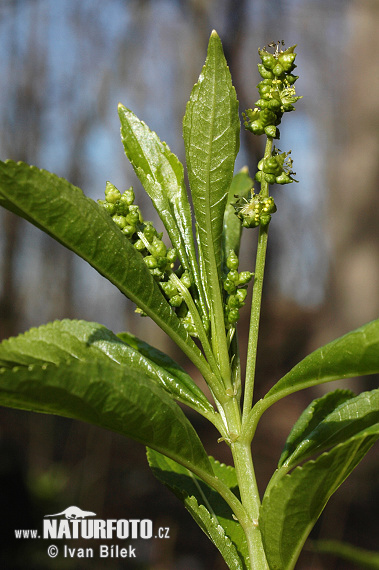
[(214, 34)]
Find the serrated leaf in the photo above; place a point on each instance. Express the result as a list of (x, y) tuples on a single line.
[(291, 507), (231, 235), (211, 136), (354, 354), (64, 212), (348, 419), (206, 506), (162, 176), (85, 341), (172, 376), (91, 385), (310, 418)]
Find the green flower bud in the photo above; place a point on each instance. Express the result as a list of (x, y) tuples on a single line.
[(111, 193), (264, 89), (121, 208), (120, 221), (233, 275), (149, 231), (157, 274), (169, 288), (278, 70), (108, 206), (270, 178), (268, 59), (284, 178), (162, 263), (267, 117), (291, 78), (129, 230), (233, 316), (232, 262), (233, 301), (229, 286), (150, 261), (256, 127), (158, 248), (128, 196), (139, 245), (265, 73), (271, 166), (176, 301), (171, 255), (134, 214), (186, 280), (274, 103), (241, 296), (245, 277), (286, 61)]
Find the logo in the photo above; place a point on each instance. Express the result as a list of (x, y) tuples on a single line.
[(76, 524), (73, 513)]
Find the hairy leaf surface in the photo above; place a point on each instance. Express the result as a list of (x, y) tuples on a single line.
[(354, 354), (291, 507), (85, 341), (162, 176), (65, 213), (211, 136), (206, 506), (346, 420), (85, 380), (310, 419)]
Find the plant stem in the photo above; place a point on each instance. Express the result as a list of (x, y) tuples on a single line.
[(256, 301), (250, 499)]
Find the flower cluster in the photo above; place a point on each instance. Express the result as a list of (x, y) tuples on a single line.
[(235, 286), (145, 238), (276, 90), (256, 211), (277, 169)]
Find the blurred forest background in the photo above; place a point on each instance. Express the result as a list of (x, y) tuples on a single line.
[(64, 67)]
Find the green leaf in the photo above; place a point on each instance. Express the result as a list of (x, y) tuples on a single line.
[(291, 507), (346, 420), (206, 506), (172, 376), (310, 419), (231, 236), (162, 176), (64, 371), (364, 559), (55, 342), (62, 211), (354, 354), (211, 136)]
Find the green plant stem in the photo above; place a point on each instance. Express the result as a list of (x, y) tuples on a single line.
[(241, 451), (256, 302), (250, 499)]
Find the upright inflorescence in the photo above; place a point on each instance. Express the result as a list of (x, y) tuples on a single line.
[(145, 238), (235, 287), (277, 96), (276, 90)]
